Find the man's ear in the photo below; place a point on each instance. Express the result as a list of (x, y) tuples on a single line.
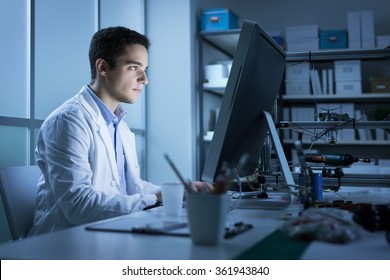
[(101, 66)]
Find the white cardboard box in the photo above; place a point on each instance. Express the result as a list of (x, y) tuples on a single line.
[(299, 71), (349, 87), (361, 31), (347, 70), (367, 29), (303, 45), (215, 72), (354, 34), (301, 32), (299, 87)]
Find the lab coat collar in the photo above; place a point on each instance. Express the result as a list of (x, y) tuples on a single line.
[(90, 105)]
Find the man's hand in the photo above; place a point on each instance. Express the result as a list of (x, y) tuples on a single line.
[(159, 197), (203, 186)]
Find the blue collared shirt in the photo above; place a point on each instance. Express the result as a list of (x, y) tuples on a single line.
[(112, 120)]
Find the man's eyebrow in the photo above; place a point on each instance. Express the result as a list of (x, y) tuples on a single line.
[(129, 62), (133, 62)]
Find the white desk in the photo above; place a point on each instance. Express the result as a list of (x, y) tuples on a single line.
[(79, 243)]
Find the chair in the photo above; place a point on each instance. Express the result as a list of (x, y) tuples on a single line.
[(18, 192)]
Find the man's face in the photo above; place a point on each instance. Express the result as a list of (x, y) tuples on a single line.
[(125, 81)]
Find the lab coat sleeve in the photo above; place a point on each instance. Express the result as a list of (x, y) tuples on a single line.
[(70, 160)]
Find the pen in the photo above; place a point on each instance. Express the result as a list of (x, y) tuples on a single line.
[(188, 186), (157, 204)]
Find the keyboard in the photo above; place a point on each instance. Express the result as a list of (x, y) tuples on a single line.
[(250, 200)]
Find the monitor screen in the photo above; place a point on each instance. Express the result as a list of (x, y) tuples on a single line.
[(252, 88)]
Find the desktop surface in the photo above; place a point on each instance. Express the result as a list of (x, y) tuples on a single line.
[(78, 243)]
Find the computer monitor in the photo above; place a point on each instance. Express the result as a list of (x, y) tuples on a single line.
[(252, 88)]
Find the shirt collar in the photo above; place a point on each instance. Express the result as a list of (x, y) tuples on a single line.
[(108, 116)]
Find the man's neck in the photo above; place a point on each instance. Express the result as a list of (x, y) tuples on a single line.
[(105, 97)]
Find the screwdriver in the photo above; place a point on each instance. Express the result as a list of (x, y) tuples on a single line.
[(343, 159)]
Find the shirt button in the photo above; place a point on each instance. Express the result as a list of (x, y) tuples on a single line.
[(113, 183)]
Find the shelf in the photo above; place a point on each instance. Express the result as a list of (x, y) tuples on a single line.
[(338, 124), (215, 90), (347, 143), (225, 41), (331, 55), (348, 179), (356, 98), (364, 97)]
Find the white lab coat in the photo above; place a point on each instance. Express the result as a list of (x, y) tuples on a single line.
[(80, 181)]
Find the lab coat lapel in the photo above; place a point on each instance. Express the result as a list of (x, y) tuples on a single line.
[(106, 139), (128, 140), (102, 131)]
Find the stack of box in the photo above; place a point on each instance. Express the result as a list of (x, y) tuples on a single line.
[(298, 79), (333, 39), (361, 32), (380, 84), (219, 19), (348, 77), (215, 75), (302, 38)]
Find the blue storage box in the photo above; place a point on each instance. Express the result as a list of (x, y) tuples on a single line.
[(279, 40), (218, 19), (333, 39)]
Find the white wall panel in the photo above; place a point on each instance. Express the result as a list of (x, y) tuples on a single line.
[(131, 14), (170, 95), (63, 30), (14, 57)]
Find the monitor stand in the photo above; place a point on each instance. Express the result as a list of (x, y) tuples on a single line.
[(279, 150), (275, 200)]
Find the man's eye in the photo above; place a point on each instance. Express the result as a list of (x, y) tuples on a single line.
[(133, 67)]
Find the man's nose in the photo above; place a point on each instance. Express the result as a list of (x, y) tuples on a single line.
[(144, 78)]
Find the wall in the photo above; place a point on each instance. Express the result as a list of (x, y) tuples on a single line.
[(170, 92), (329, 14)]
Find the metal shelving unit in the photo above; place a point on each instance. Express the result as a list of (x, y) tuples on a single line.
[(226, 41)]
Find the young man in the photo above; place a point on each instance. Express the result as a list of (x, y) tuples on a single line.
[(85, 150)]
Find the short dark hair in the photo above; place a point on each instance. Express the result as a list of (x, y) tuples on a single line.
[(111, 42)]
